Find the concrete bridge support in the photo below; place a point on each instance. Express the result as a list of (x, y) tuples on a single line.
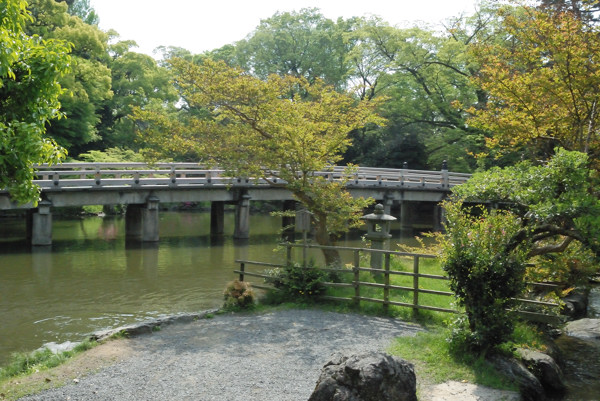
[(217, 218), (439, 217), (142, 222), (242, 217), (406, 216), (39, 224)]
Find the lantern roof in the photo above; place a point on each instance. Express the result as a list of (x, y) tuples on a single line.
[(378, 215)]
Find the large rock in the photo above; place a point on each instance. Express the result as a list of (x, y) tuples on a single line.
[(530, 387), (575, 304), (545, 369), (368, 377), (585, 329)]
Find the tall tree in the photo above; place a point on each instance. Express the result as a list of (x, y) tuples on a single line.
[(425, 75), (89, 83), (544, 88), (30, 70), (303, 44), (266, 129), (137, 81)]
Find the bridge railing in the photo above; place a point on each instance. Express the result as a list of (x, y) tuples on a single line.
[(105, 175)]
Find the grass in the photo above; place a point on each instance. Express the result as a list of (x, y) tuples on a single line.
[(436, 362), (25, 363)]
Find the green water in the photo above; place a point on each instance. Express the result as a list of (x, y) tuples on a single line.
[(90, 279)]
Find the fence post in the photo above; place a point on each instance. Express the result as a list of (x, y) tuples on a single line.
[(386, 289), (416, 284), (356, 278), (288, 256), (242, 269)]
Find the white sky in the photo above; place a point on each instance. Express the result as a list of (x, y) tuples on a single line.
[(200, 25)]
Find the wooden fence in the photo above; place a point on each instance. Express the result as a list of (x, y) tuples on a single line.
[(386, 273)]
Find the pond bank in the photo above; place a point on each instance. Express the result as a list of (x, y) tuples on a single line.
[(276, 355)]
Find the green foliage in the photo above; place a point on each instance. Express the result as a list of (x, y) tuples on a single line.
[(88, 84), (238, 294), (297, 282), (547, 208), (556, 201), (483, 275), (30, 70), (302, 44), (111, 155)]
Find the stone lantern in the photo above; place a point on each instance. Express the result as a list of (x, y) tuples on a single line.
[(378, 232)]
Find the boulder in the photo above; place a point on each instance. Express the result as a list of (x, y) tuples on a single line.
[(545, 369), (585, 329), (372, 376), (575, 304), (530, 387)]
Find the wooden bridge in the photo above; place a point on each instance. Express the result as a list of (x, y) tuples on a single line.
[(144, 187)]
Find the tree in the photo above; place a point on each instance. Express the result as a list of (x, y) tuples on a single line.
[(89, 83), (282, 129), (543, 86), (30, 70), (426, 77), (545, 210), (137, 81), (83, 10), (302, 44)]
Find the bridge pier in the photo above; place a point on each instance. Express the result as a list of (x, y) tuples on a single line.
[(439, 216), (217, 218), (141, 221), (242, 217), (406, 217), (39, 224)]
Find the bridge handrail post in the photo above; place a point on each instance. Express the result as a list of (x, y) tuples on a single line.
[(445, 175), (173, 174)]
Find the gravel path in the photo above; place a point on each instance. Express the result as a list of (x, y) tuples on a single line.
[(273, 356)]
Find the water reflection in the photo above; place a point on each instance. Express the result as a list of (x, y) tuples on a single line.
[(92, 278)]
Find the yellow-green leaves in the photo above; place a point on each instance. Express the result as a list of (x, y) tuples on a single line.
[(281, 127), (543, 85)]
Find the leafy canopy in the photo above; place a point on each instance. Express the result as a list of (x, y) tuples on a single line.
[(283, 127), (30, 69), (543, 84)]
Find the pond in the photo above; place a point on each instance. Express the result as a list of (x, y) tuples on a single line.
[(91, 279)]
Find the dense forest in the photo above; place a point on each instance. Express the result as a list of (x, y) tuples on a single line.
[(442, 94)]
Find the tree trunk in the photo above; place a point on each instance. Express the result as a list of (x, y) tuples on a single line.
[(332, 256)]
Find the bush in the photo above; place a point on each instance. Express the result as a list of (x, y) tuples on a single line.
[(296, 281), (238, 294), (482, 274)]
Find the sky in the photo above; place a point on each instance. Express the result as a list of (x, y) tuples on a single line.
[(200, 25)]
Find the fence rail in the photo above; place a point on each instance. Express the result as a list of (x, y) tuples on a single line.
[(386, 286)]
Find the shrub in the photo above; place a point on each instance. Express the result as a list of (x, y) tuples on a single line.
[(238, 294), (482, 274), (296, 281)]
